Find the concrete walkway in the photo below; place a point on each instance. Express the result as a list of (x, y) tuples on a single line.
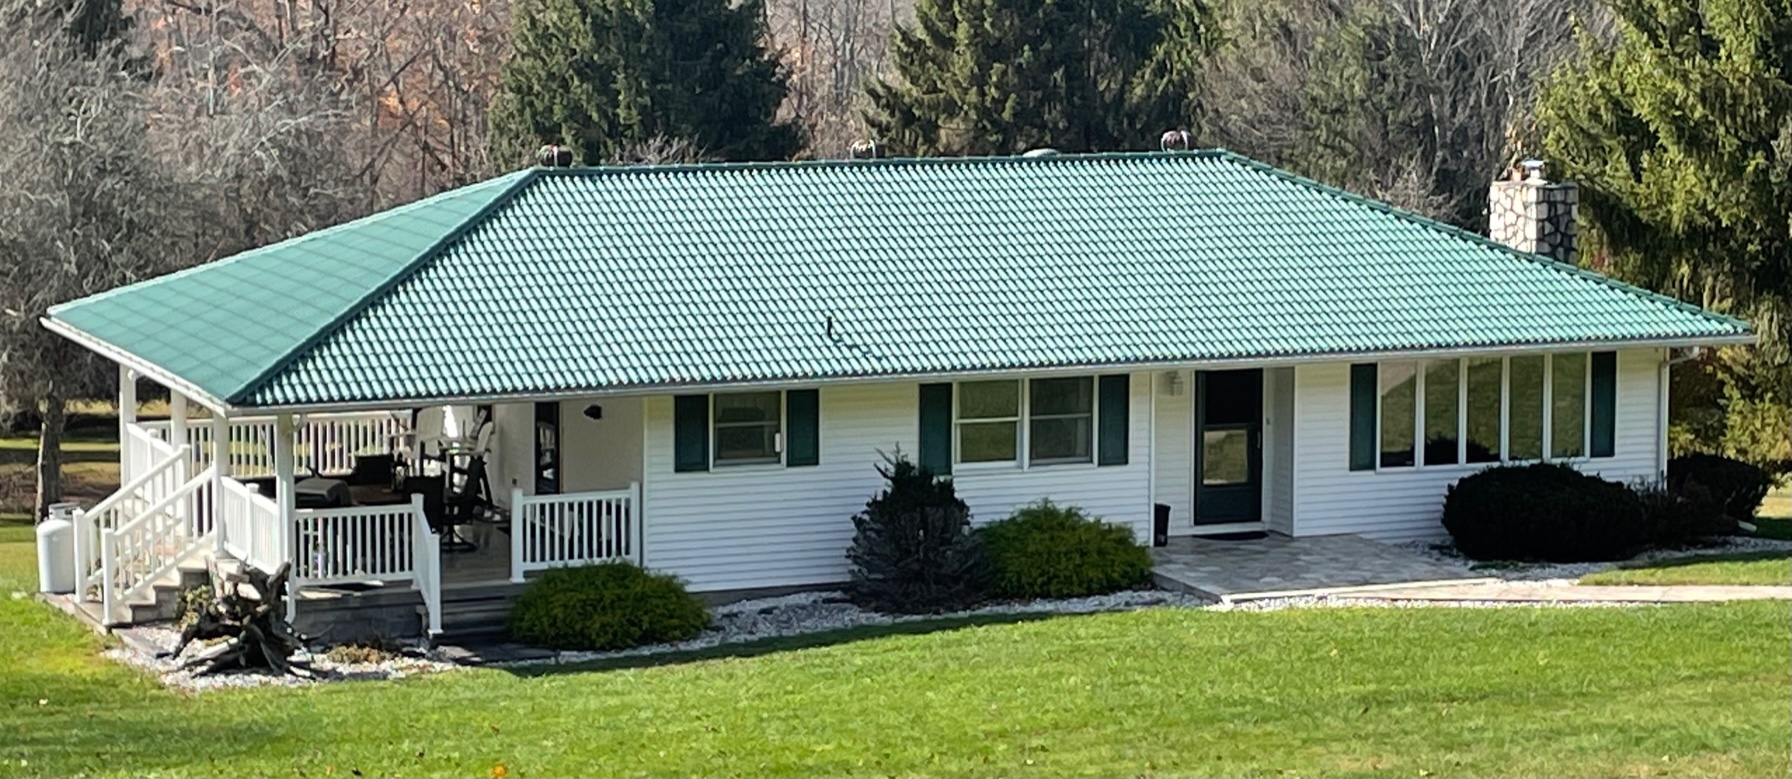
[(1535, 592)]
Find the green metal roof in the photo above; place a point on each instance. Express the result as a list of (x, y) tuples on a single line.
[(564, 280)]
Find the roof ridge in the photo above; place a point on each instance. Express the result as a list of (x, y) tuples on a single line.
[(520, 181), (881, 162), (1481, 240), (252, 253)]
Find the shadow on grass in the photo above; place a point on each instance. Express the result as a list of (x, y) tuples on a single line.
[(749, 649), (1699, 559), (1774, 527)]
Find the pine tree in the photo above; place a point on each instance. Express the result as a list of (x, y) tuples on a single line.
[(913, 550), (981, 77), (1680, 137), (601, 76)]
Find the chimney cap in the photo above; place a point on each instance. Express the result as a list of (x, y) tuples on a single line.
[(553, 156), (1176, 140), (863, 149), (1533, 168)]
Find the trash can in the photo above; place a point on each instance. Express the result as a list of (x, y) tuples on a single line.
[(56, 550), (1160, 524)]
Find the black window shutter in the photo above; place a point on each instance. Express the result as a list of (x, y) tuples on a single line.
[(1115, 398), (690, 433), (936, 428), (1605, 404), (803, 411), (1362, 417)]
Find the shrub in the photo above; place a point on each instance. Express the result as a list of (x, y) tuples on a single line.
[(1733, 485), (193, 601), (1674, 519), (608, 606), (1051, 551), (1543, 512), (912, 548), (373, 649)]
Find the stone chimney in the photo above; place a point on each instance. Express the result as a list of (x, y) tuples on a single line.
[(1531, 214)]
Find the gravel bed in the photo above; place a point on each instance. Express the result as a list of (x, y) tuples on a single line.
[(1566, 574), (140, 645)]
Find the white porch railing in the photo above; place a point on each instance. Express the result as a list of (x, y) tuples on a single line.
[(139, 552), (367, 544), (160, 471), (327, 443), (579, 528), (137, 535), (251, 527)]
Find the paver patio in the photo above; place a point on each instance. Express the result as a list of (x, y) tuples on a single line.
[(1279, 565)]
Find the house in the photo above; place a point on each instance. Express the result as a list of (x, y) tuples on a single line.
[(698, 368)]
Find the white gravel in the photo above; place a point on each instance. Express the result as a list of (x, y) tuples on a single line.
[(140, 646), (1566, 574)]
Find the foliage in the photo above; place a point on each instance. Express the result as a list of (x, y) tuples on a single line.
[(1050, 551), (606, 606), (598, 75), (1735, 487), (912, 549), (192, 602), (1543, 512), (991, 77), (376, 649), (1676, 518), (1680, 134)]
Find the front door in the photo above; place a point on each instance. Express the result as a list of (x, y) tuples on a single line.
[(1228, 446)]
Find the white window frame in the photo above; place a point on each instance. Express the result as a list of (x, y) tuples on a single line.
[(1505, 417), (1023, 428), (778, 439)]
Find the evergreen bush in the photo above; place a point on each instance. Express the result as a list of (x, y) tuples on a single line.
[(912, 549), (607, 606), (1545, 512), (1050, 551)]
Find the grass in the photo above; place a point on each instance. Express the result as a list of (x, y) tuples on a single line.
[(1774, 519), (1752, 568)]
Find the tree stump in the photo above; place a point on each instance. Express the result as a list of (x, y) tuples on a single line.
[(249, 612)]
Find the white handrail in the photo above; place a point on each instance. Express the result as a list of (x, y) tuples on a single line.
[(128, 490), (327, 443), (579, 528), (138, 552)]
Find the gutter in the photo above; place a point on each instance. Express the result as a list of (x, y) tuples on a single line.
[(141, 366), (1020, 372)]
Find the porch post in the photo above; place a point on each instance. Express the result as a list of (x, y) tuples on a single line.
[(177, 438), (221, 464), (283, 483), (518, 531), (127, 416)]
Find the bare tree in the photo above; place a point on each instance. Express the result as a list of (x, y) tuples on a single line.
[(84, 208), (833, 48)]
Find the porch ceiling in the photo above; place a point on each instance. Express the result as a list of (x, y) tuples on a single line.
[(601, 279)]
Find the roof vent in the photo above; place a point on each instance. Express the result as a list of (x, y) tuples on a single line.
[(863, 149), (1041, 153), (551, 156), (1176, 140)]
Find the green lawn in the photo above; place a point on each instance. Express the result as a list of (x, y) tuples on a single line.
[(1685, 690), (1754, 568)]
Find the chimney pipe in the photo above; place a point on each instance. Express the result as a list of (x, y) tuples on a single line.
[(552, 156)]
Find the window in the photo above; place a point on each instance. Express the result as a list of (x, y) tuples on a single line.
[(1524, 412), (1568, 405), (1443, 409), (748, 427), (1485, 386), (1481, 410), (988, 421), (1399, 398), (1061, 420)]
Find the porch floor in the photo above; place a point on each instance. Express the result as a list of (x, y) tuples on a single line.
[(1279, 565)]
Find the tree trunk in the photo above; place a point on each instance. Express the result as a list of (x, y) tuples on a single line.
[(49, 452)]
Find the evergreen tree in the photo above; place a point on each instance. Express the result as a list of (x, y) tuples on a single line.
[(601, 76), (1680, 136), (981, 77)]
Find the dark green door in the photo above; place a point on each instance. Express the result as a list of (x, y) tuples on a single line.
[(1228, 446)]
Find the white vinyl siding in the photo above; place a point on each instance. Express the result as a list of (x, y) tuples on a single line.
[(1406, 503), (1175, 465), (736, 529), (1278, 446)]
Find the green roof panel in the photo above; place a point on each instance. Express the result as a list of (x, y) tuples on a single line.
[(609, 278)]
